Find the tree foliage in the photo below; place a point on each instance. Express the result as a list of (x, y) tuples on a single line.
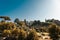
[(5, 17)]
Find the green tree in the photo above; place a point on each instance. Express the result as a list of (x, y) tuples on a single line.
[(18, 22), (5, 17), (36, 23)]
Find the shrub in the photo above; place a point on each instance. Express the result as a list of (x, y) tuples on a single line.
[(32, 35), (53, 30)]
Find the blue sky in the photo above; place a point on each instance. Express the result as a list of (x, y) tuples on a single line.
[(30, 9)]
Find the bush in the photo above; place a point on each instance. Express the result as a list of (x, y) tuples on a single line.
[(22, 35), (32, 35), (53, 30)]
